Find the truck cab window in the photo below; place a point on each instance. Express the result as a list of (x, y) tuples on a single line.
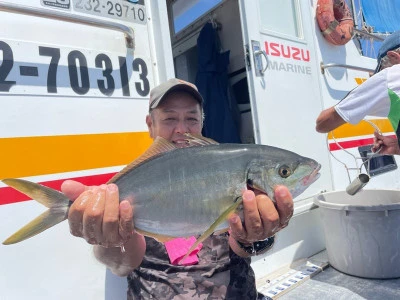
[(280, 17)]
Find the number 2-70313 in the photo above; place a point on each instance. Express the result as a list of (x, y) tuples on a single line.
[(111, 8), (79, 72)]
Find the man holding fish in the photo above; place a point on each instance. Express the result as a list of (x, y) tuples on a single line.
[(144, 222), (223, 269)]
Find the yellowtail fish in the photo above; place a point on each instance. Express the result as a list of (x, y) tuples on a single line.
[(181, 192)]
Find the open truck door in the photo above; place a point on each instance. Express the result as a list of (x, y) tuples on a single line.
[(284, 89)]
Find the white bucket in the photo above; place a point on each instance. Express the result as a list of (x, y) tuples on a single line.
[(362, 232)]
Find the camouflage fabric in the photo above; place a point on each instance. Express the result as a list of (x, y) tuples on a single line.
[(220, 274)]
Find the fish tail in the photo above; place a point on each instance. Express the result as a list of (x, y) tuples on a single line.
[(56, 201)]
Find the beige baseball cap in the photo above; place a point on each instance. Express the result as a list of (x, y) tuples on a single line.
[(158, 93)]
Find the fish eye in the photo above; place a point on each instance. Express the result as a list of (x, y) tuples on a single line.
[(284, 171)]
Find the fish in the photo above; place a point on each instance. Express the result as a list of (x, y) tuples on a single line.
[(182, 192)]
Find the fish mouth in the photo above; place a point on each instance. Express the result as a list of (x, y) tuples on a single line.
[(313, 176)]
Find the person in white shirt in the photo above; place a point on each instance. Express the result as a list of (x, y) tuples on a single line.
[(378, 96)]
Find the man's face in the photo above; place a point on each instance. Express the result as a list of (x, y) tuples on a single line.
[(177, 114)]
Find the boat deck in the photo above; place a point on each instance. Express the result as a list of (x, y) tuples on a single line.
[(316, 279)]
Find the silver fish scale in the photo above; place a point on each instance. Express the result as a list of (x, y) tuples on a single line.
[(185, 190)]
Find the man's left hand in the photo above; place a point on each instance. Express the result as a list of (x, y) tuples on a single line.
[(262, 218)]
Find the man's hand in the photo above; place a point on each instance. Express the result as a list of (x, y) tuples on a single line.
[(96, 214), (262, 218), (389, 144)]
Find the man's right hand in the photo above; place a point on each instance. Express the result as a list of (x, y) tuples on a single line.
[(390, 145), (97, 216)]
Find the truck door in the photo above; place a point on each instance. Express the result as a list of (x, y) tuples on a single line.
[(282, 74)]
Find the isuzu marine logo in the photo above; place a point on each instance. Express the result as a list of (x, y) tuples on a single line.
[(289, 58)]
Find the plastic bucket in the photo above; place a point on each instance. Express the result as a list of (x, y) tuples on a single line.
[(362, 232)]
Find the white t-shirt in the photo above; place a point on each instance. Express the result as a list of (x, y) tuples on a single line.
[(378, 96)]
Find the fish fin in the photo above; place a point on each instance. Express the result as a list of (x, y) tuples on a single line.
[(46, 220), (214, 225), (159, 146), (56, 201), (199, 140), (160, 238), (42, 194)]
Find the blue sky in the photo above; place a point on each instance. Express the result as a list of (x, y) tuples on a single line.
[(193, 13)]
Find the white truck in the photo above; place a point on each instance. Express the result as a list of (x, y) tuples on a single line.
[(75, 77)]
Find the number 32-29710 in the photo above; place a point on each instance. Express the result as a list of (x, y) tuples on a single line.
[(122, 10)]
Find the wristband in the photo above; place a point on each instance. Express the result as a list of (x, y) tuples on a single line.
[(258, 246)]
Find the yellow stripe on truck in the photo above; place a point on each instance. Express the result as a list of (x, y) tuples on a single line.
[(362, 128), (31, 156)]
